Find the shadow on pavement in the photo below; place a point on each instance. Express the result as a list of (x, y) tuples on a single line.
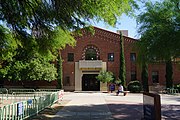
[(170, 112), (126, 111), (118, 112)]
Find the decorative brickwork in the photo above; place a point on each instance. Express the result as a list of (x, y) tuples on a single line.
[(105, 42)]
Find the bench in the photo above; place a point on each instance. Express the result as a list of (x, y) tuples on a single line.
[(124, 93)]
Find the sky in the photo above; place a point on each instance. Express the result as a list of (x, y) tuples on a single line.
[(126, 23)]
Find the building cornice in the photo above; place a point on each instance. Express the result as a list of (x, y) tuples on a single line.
[(107, 35)]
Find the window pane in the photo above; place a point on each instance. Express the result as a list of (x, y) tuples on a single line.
[(133, 75), (155, 77), (91, 54), (70, 56), (133, 57), (110, 56)]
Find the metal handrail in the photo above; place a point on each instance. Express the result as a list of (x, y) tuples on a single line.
[(27, 108)]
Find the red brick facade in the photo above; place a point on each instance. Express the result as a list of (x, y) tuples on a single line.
[(108, 42), (103, 42)]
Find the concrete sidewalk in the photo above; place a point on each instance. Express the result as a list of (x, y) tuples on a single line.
[(107, 106), (84, 106)]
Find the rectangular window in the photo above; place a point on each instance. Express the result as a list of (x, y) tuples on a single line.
[(110, 56), (70, 57), (155, 77), (67, 81), (133, 57), (133, 75)]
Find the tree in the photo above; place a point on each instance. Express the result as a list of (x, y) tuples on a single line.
[(26, 63), (160, 31), (143, 62), (59, 71), (32, 69), (144, 77), (44, 26), (105, 76), (122, 67), (38, 19), (7, 44)]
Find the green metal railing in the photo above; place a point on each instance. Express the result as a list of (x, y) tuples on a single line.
[(48, 90), (4, 94), (20, 90), (172, 91), (34, 103)]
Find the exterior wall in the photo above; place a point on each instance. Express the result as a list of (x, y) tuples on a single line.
[(79, 73), (108, 42), (176, 73)]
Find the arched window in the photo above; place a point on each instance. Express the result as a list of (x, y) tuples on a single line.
[(90, 54)]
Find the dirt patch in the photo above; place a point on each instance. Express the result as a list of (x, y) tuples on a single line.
[(49, 112)]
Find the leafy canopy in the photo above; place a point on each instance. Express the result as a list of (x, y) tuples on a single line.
[(105, 76), (34, 69), (160, 30), (32, 31), (41, 18)]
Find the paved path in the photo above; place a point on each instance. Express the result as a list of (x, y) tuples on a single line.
[(84, 106), (107, 106)]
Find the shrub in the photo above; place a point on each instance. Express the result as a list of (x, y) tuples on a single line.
[(134, 86), (177, 87), (105, 76)]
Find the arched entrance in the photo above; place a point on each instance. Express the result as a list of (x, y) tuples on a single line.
[(90, 83)]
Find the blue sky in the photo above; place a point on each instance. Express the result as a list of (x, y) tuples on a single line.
[(126, 23)]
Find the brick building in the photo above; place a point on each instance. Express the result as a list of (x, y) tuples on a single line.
[(101, 51), (96, 52)]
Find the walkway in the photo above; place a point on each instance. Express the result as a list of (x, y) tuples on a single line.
[(107, 106), (84, 106)]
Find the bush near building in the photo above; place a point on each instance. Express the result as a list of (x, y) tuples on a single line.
[(134, 86), (177, 87)]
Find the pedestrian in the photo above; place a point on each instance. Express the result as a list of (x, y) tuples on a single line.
[(120, 89)]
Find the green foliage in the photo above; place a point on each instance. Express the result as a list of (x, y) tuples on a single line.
[(134, 86), (31, 28), (34, 69), (15, 71), (41, 17), (159, 26), (118, 81), (105, 76), (7, 44), (122, 68), (59, 72), (3, 72), (55, 40), (40, 69), (160, 30), (177, 87)]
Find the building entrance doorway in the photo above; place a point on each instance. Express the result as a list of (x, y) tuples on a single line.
[(90, 83)]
